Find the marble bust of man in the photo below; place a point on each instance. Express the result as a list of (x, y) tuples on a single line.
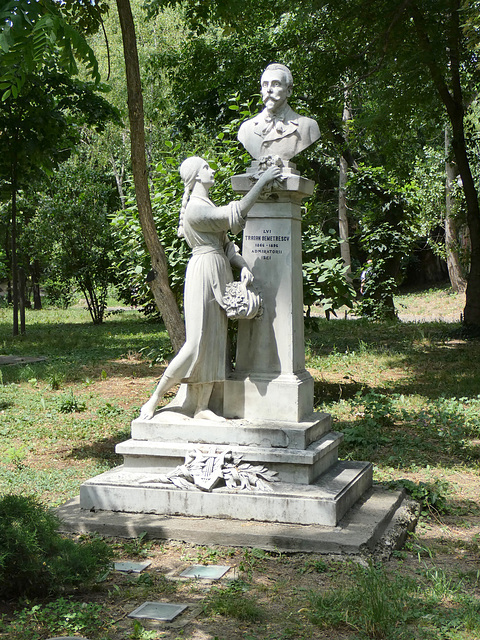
[(277, 130)]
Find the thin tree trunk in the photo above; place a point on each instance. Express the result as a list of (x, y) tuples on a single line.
[(164, 297), (35, 272), (455, 271), (119, 180), (14, 249), (342, 195), (22, 289)]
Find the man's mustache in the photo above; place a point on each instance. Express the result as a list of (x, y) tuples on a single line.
[(270, 97)]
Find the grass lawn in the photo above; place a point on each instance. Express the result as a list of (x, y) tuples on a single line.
[(407, 397)]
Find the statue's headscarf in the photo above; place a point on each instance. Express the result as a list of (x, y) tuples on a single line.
[(188, 172)]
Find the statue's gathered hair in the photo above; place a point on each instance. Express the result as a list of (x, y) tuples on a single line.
[(188, 172), (276, 66)]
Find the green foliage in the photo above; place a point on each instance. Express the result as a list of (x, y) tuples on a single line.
[(68, 403), (387, 233), (58, 292), (70, 234), (34, 559), (232, 602), (31, 33), (62, 616), (324, 275), (326, 283), (375, 414), (432, 496)]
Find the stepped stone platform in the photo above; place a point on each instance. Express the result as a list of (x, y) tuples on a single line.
[(306, 484)]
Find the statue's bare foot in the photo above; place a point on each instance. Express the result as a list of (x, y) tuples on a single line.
[(148, 410), (206, 414)]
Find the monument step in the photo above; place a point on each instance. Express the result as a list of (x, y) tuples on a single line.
[(301, 466), (324, 502), (168, 426)]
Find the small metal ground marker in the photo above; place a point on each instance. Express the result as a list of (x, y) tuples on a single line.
[(68, 638), (131, 567), (207, 572), (163, 611)]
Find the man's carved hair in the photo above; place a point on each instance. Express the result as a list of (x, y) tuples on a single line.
[(276, 66)]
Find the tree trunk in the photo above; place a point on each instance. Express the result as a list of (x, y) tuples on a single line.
[(471, 312), (163, 295), (22, 291), (35, 273), (453, 101), (455, 271), (342, 195), (14, 249)]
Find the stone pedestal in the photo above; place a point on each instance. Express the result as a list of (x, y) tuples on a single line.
[(268, 403), (270, 381), (312, 486)]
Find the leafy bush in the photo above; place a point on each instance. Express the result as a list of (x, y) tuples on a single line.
[(432, 496), (59, 293), (324, 273), (35, 560)]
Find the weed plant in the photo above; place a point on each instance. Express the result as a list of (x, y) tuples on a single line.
[(232, 602)]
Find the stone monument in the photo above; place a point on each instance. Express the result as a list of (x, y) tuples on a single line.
[(245, 445)]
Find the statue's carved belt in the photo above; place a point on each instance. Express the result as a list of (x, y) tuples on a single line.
[(203, 249)]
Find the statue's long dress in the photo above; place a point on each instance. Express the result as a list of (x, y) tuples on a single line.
[(202, 358)]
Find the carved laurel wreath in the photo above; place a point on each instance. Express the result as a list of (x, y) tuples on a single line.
[(205, 471)]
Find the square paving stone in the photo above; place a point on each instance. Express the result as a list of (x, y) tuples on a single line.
[(209, 572), (158, 611), (131, 567)]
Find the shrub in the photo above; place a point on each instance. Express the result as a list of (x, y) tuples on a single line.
[(432, 496), (35, 560)]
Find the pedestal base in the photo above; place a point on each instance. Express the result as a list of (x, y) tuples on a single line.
[(286, 397), (379, 522), (324, 503), (311, 486)]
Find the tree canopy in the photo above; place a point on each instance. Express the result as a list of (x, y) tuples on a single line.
[(407, 69)]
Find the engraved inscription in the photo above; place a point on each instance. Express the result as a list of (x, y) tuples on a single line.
[(267, 244)]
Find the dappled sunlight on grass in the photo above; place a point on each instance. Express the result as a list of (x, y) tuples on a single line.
[(72, 343)]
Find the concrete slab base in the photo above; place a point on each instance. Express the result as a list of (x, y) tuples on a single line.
[(324, 502), (380, 520)]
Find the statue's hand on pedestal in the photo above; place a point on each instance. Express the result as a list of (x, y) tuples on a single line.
[(148, 410), (270, 174), (246, 276)]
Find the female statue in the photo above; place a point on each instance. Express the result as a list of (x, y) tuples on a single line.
[(202, 360)]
